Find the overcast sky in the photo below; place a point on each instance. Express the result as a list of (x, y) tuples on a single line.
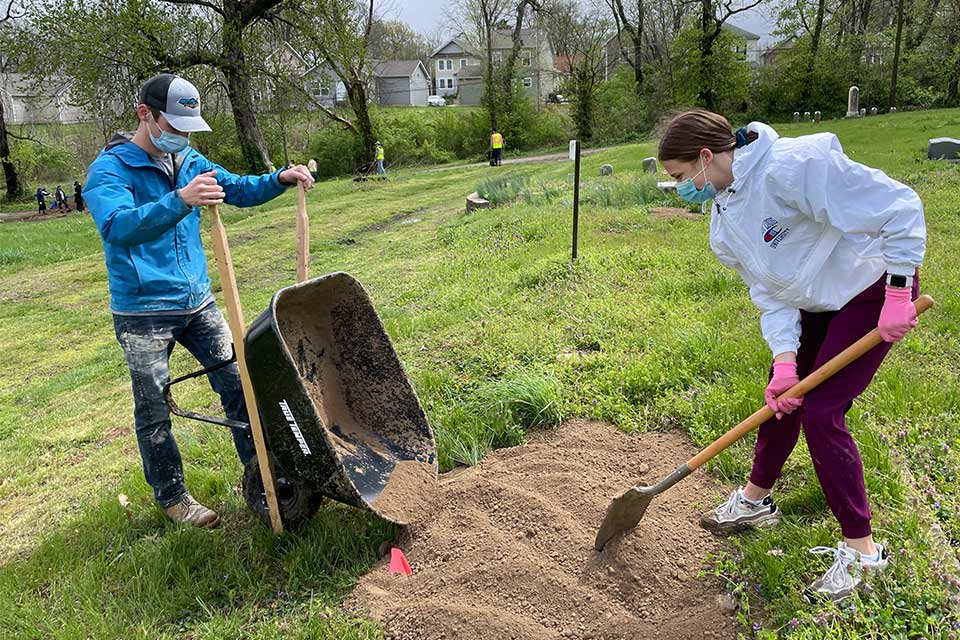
[(426, 17)]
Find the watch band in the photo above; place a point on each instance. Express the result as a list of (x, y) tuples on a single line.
[(901, 282)]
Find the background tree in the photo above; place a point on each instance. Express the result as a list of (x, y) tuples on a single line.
[(10, 12), (579, 36), (338, 33)]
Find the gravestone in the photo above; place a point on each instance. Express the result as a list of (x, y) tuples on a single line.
[(893, 109), (863, 112), (607, 169), (853, 103), (796, 116), (817, 117), (943, 149), (873, 111), (806, 116)]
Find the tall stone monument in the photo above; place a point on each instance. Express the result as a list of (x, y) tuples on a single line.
[(853, 103)]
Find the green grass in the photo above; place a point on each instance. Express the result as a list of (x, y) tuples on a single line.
[(499, 333)]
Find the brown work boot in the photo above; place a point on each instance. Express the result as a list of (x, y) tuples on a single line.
[(191, 512)]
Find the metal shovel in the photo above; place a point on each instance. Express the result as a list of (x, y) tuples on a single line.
[(628, 508)]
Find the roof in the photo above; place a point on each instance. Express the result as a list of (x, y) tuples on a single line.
[(397, 68), (737, 31), (470, 71), (457, 41), (21, 85)]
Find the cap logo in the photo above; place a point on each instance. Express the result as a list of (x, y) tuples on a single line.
[(191, 103)]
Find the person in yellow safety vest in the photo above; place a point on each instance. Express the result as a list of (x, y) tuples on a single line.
[(496, 145), (378, 149), (312, 167)]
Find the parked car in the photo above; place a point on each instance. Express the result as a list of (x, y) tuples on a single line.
[(557, 98), (436, 101)]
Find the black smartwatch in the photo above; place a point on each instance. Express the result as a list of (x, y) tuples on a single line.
[(901, 282)]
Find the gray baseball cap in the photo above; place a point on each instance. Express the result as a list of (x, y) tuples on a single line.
[(177, 99)]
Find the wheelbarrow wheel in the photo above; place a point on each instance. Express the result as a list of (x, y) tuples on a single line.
[(298, 502)]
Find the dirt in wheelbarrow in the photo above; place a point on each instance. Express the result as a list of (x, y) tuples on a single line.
[(504, 550)]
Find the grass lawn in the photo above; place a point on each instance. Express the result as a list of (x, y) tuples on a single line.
[(494, 326)]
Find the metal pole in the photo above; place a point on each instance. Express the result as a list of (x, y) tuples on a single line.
[(576, 196)]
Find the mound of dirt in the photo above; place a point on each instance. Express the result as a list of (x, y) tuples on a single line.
[(505, 551)]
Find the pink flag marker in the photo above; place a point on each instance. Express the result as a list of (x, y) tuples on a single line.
[(398, 563)]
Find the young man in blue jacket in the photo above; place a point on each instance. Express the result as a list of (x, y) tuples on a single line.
[(144, 191)]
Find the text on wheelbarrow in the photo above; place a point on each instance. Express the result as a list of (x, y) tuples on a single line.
[(294, 428)]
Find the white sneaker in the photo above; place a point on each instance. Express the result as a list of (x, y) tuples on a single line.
[(846, 573), (737, 514)]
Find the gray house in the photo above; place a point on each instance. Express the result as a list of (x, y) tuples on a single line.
[(401, 83), (456, 64), (24, 103), (447, 61), (324, 85)]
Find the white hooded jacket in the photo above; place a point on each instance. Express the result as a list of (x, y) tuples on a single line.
[(808, 228)]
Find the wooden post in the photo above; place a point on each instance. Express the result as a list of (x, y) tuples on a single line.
[(303, 236), (228, 282), (576, 193)]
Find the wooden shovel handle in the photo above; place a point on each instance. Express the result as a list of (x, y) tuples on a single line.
[(802, 388), (228, 282), (303, 236)]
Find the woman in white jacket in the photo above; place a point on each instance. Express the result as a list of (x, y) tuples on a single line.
[(830, 249)]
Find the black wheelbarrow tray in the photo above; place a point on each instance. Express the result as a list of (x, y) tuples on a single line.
[(340, 418)]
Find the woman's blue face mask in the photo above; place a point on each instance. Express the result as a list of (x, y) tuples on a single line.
[(689, 192)]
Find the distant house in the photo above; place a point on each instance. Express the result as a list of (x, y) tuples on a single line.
[(447, 61), (401, 83), (324, 86), (455, 63), (748, 48), (25, 103)]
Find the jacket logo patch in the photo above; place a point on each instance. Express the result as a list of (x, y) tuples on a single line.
[(191, 103), (773, 232)]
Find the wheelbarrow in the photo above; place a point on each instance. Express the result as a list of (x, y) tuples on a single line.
[(338, 413)]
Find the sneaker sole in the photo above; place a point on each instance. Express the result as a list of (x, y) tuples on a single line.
[(730, 528)]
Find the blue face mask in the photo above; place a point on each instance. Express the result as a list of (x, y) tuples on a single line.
[(689, 192), (169, 142)]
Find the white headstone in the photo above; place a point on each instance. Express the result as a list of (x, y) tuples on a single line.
[(873, 111), (806, 115), (650, 165), (893, 109), (607, 169), (863, 112), (817, 117), (796, 116)]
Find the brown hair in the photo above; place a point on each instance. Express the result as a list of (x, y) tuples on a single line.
[(694, 130)]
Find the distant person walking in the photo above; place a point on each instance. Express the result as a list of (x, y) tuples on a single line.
[(42, 196), (78, 196), (312, 167), (61, 197), (496, 146), (378, 150)]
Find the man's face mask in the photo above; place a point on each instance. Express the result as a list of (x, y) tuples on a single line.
[(166, 141), (689, 192)]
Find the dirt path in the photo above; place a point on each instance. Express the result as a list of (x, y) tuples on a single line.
[(506, 551), (549, 157)]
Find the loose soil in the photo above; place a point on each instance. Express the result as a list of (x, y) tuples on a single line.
[(504, 550), (667, 213)]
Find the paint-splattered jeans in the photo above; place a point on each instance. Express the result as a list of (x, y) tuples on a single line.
[(147, 343)]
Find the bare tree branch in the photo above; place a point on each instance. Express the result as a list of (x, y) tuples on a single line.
[(199, 3)]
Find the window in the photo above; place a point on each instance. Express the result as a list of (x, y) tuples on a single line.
[(463, 62), (528, 82), (526, 58), (450, 83), (439, 65), (442, 83), (498, 57), (449, 65)]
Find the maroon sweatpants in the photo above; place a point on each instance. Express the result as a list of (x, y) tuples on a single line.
[(822, 415)]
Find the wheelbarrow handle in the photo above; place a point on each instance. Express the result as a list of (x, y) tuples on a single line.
[(192, 415)]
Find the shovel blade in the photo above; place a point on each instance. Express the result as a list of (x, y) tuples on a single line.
[(624, 513)]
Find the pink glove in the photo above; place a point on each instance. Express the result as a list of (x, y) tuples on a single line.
[(898, 314), (784, 377)]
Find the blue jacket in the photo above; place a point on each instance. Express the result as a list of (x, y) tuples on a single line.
[(151, 239)]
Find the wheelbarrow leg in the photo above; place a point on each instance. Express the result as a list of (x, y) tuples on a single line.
[(228, 281)]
